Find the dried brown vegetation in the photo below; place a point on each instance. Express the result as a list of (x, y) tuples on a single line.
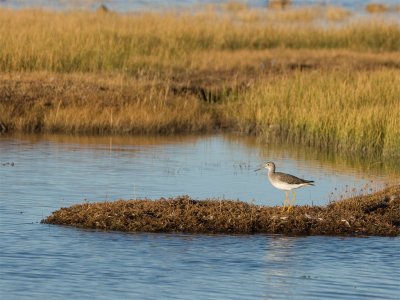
[(91, 104), (376, 214)]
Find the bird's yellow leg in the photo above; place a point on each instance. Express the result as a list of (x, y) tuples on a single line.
[(286, 199), (291, 203)]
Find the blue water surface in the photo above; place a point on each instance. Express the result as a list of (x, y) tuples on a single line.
[(40, 174)]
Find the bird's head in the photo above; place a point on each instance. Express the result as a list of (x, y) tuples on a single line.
[(270, 166)]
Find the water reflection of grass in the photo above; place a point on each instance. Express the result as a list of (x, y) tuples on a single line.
[(113, 142), (339, 162), (279, 75)]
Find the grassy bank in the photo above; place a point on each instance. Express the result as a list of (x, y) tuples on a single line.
[(376, 214), (279, 75), (354, 112)]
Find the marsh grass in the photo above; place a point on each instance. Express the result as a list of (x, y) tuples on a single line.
[(91, 42), (279, 75), (376, 214), (351, 112), (98, 105), (357, 112)]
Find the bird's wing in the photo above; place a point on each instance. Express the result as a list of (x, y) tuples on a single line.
[(291, 179)]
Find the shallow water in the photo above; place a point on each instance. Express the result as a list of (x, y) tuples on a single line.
[(43, 261)]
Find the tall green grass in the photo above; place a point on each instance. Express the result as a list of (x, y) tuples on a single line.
[(356, 112)]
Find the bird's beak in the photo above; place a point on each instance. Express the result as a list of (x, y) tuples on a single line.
[(258, 169)]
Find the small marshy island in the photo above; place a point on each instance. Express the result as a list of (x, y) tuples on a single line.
[(376, 214)]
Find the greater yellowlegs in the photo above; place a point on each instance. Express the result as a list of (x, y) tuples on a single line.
[(285, 182)]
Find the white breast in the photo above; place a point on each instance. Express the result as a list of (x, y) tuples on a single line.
[(285, 186)]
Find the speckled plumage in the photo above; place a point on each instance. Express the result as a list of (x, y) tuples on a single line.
[(285, 182), (290, 179)]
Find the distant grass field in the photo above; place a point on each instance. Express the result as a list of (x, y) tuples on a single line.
[(312, 76), (35, 40)]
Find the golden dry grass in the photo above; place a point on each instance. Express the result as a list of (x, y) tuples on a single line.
[(235, 6), (337, 13), (85, 104), (376, 214), (91, 42)]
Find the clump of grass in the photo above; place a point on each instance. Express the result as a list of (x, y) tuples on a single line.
[(350, 112), (295, 15), (376, 8), (235, 6), (279, 4), (102, 9), (377, 214), (337, 13)]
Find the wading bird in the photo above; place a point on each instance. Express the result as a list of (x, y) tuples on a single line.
[(285, 182)]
